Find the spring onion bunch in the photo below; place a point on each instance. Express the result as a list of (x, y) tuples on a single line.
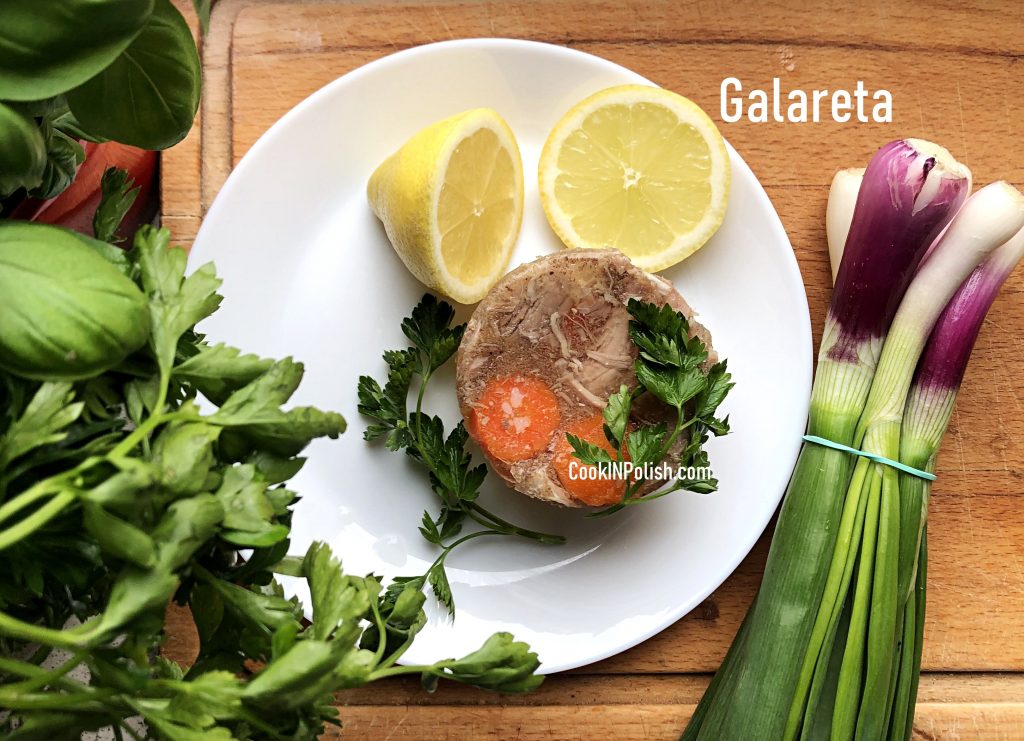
[(874, 561), (821, 652)]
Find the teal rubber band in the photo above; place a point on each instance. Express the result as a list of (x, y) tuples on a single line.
[(871, 457)]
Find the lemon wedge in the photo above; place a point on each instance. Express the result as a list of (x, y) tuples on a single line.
[(637, 168), (451, 200)]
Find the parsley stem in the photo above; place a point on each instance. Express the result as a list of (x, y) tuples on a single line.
[(478, 513), (92, 701), (382, 635), (37, 677), (141, 432), (419, 407), (680, 426), (14, 628), (448, 548), (37, 491), (25, 527)]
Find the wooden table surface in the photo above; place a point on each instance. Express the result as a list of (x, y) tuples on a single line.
[(956, 74)]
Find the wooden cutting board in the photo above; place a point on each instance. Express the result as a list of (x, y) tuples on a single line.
[(955, 73)]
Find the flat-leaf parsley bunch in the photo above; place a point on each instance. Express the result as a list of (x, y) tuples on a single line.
[(119, 493)]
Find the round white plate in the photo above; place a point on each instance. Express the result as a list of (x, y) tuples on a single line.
[(308, 272)]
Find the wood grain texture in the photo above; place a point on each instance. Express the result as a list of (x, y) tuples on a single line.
[(181, 167), (955, 72)]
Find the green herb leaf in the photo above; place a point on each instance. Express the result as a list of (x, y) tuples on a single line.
[(44, 54), (450, 463), (339, 601), (176, 303), (22, 149), (672, 386), (430, 330), (44, 421), (117, 198), (645, 444), (249, 513), (719, 384), (428, 529), (438, 580), (69, 314), (254, 410), (259, 400), (63, 156), (304, 674), (219, 370), (587, 452), (501, 664), (184, 455), (616, 415), (161, 69)]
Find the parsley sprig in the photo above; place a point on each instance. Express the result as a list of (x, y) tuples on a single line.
[(450, 469), (669, 368)]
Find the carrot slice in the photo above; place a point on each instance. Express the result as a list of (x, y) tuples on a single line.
[(580, 479), (515, 417)]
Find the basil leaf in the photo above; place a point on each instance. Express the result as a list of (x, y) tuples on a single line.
[(22, 151), (149, 95), (50, 46), (68, 312)]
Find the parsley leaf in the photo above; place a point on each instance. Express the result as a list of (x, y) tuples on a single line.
[(429, 328), (671, 367), (43, 422), (219, 370), (588, 452), (442, 589), (645, 443), (176, 303), (117, 198), (616, 415)]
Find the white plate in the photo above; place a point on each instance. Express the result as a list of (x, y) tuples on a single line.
[(308, 272)]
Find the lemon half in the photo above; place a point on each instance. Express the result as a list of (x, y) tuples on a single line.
[(637, 168), (451, 200)]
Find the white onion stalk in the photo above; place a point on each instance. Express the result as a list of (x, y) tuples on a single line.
[(842, 198)]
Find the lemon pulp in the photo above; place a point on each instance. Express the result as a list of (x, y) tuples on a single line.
[(478, 205), (636, 168)]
